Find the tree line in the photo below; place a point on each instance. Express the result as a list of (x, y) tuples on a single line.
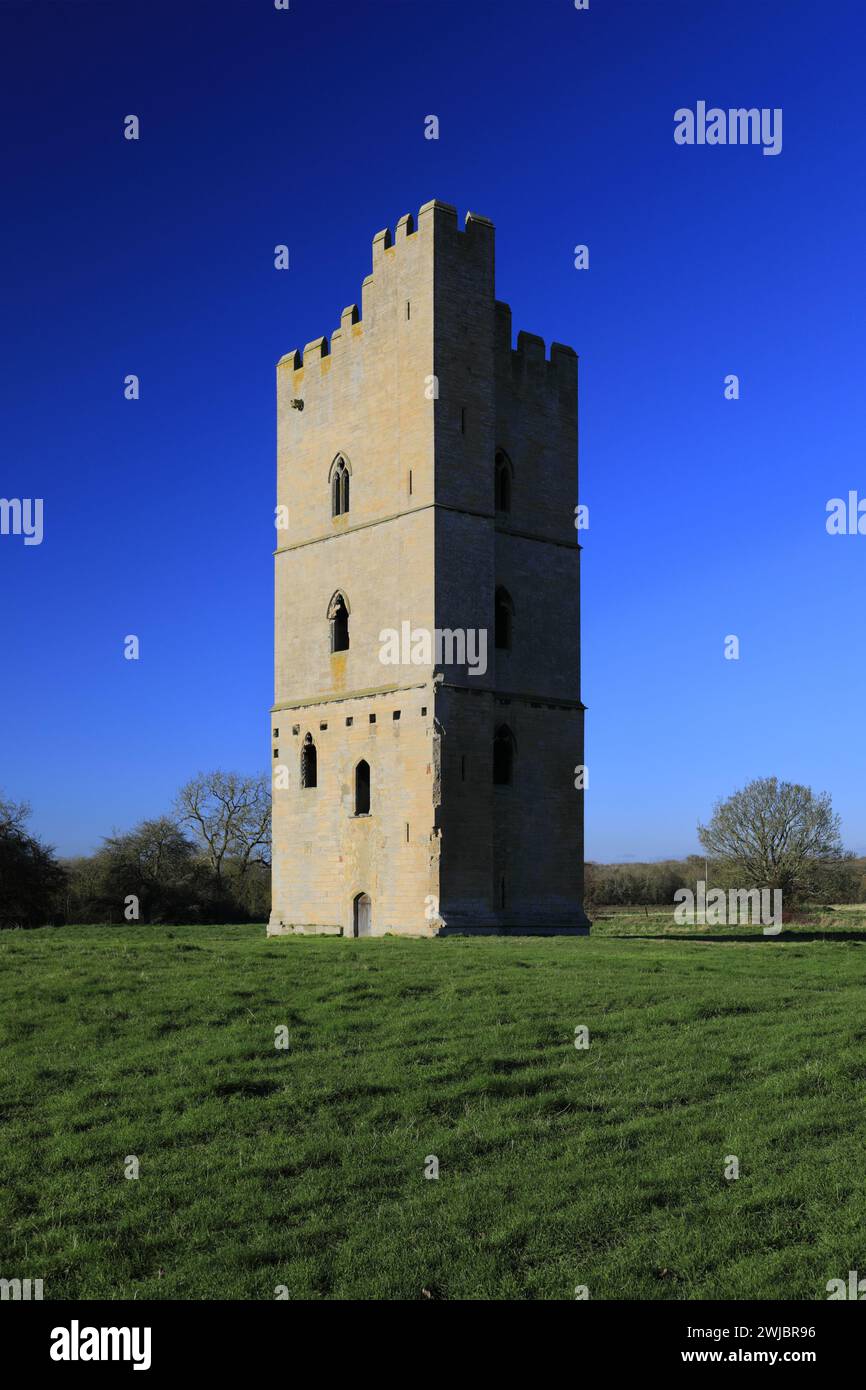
[(207, 860), (653, 884), (770, 834)]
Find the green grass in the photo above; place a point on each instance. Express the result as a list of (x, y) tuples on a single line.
[(558, 1166)]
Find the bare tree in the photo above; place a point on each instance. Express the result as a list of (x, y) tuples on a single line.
[(230, 817), (774, 834), (13, 817)]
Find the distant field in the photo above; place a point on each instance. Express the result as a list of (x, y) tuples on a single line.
[(558, 1167), (657, 921)]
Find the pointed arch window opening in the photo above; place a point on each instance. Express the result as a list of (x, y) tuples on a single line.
[(340, 488), (338, 617)]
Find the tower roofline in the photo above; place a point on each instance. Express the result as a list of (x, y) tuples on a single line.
[(530, 348), (436, 212)]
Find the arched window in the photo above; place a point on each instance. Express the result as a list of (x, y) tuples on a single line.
[(309, 761), (339, 486), (338, 617), (503, 757), (503, 620), (362, 789), (503, 482)]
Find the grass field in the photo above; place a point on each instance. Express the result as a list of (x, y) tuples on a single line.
[(559, 1167)]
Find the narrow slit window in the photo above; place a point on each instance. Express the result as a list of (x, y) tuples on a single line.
[(362, 788), (503, 620), (503, 483), (309, 764), (503, 757)]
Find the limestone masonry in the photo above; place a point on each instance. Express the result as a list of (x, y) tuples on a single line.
[(427, 479)]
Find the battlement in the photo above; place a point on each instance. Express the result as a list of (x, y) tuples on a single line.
[(528, 362), (434, 216), (436, 221)]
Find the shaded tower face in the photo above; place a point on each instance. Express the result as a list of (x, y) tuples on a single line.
[(427, 718)]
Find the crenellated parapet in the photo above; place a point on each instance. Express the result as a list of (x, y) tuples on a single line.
[(528, 364), (435, 226)]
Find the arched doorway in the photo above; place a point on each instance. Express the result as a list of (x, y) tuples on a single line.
[(362, 923)]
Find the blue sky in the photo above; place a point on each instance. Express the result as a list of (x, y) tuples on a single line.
[(707, 516)]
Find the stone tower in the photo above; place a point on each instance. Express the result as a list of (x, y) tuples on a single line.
[(427, 723)]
